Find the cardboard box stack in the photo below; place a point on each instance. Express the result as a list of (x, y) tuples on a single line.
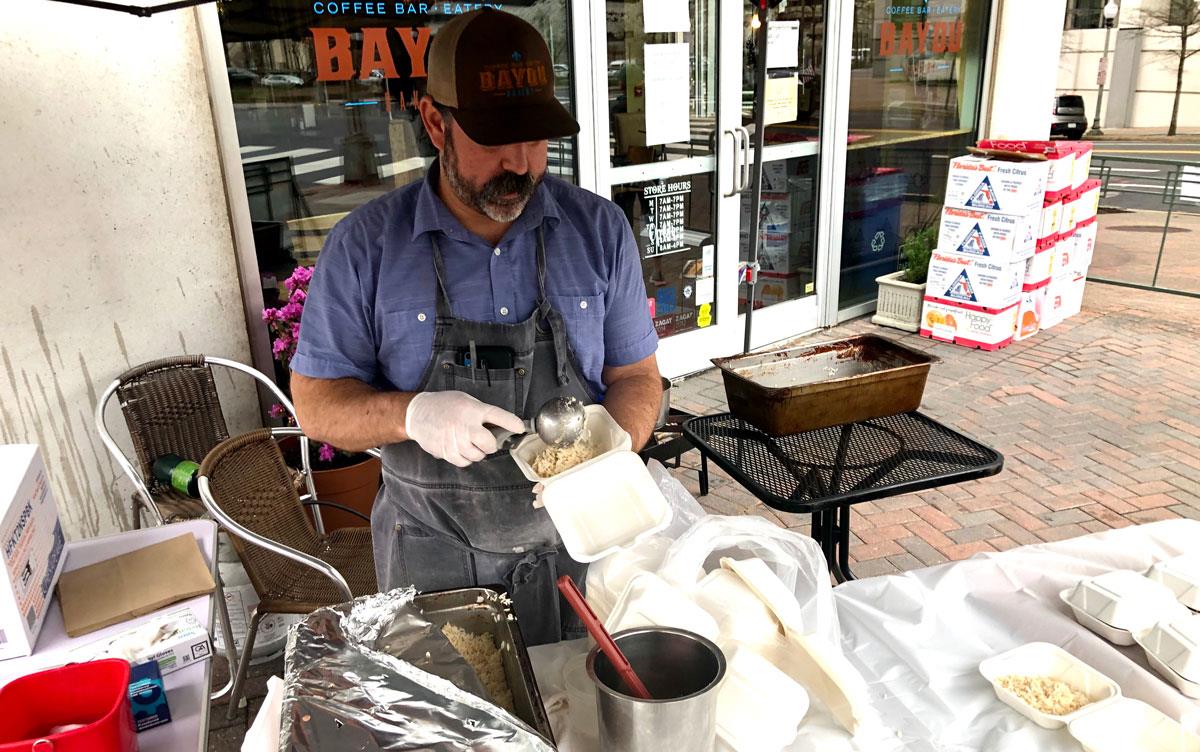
[(786, 231), (1014, 244)]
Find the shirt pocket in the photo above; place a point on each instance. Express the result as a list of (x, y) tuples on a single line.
[(584, 317), (406, 343)]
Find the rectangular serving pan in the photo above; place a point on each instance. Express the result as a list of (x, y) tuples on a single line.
[(827, 384), (477, 610)]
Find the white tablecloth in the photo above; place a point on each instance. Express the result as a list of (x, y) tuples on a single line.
[(919, 637)]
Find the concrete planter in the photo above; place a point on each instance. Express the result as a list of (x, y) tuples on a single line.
[(899, 304)]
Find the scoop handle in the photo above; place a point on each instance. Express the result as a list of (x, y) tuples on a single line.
[(575, 598)]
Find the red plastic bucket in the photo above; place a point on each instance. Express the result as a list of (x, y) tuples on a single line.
[(93, 696)]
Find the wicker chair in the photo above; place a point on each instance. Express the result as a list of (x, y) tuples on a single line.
[(246, 486), (171, 407)]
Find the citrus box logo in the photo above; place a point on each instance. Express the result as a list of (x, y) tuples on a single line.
[(961, 289), (974, 243), (984, 196)]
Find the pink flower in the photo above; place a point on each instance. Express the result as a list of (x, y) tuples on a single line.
[(326, 452), (268, 314), (281, 345), (291, 312), (276, 410), (302, 275), (296, 331), (298, 296)]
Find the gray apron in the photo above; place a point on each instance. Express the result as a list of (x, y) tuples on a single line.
[(437, 526)]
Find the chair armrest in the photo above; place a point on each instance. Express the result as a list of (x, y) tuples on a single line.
[(233, 527)]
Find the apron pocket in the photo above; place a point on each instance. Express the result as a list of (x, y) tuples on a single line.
[(506, 388), (430, 562)]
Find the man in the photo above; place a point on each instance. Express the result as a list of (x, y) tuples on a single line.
[(465, 302)]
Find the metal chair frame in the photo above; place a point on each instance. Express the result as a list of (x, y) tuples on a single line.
[(234, 528), (144, 500)]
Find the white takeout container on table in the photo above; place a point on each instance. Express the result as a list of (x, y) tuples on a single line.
[(759, 707), (1173, 648), (1182, 575), (607, 578), (1128, 725), (603, 433), (611, 503), (741, 615), (1117, 604), (649, 601), (1041, 659)]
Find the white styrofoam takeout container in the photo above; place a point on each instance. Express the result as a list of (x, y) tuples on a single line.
[(1131, 726), (1045, 660), (1182, 575), (648, 601), (741, 615), (611, 503), (1173, 648), (1117, 604), (607, 578), (603, 433), (759, 707)]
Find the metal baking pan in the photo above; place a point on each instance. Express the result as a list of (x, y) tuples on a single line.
[(477, 610), (816, 386)]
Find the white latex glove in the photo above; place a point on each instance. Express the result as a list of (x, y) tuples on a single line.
[(451, 426)]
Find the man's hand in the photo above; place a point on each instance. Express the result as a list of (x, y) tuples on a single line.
[(451, 426)]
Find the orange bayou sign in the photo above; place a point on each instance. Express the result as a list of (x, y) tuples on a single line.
[(920, 37)]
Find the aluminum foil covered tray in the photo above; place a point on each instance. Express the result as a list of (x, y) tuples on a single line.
[(378, 673)]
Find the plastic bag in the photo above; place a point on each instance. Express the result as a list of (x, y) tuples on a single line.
[(794, 558), (684, 507)]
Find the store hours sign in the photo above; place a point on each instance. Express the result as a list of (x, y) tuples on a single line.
[(666, 216)]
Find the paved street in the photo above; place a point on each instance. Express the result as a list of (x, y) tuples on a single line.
[(1139, 185)]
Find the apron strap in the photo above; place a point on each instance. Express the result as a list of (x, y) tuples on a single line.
[(547, 314), (439, 270)]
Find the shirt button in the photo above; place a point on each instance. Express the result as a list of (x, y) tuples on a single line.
[(497, 251), (503, 311), (583, 304), (420, 317)]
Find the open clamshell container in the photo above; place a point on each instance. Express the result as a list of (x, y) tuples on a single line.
[(1041, 659), (1173, 648), (759, 707), (603, 434), (1182, 575), (1117, 604), (1128, 725)]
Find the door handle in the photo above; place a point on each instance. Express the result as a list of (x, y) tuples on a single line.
[(745, 162), (737, 169)]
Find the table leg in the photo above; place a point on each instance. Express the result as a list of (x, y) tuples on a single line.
[(703, 474), (843, 572)]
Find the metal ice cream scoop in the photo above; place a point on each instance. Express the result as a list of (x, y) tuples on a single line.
[(559, 422)]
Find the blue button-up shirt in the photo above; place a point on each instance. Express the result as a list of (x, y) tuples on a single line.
[(371, 304)]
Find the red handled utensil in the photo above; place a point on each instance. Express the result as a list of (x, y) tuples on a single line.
[(567, 587)]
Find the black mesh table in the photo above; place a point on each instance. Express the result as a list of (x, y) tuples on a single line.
[(824, 472)]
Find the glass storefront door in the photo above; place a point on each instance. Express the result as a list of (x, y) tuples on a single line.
[(676, 79)]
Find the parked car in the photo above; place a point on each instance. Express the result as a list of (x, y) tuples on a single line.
[(285, 80), (241, 76), (1069, 117), (561, 70)]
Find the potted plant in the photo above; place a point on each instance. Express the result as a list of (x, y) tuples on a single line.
[(348, 478), (901, 293)]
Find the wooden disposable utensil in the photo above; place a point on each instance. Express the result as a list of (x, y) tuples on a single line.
[(575, 598)]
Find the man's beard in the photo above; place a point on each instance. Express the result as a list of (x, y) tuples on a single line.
[(491, 199)]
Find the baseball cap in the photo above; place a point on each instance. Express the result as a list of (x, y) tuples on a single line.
[(493, 70)]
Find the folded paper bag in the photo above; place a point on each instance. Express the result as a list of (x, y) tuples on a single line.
[(132, 584)]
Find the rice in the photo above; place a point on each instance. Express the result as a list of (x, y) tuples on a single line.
[(554, 460), (1044, 694), (481, 654)]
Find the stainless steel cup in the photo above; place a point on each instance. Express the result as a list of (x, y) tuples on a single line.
[(682, 671)]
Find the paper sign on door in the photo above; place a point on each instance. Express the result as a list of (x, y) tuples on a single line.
[(667, 86), (782, 100), (783, 44), (665, 16)]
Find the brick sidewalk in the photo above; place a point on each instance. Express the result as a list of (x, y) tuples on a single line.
[(1098, 420)]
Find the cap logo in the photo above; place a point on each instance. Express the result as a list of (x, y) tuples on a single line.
[(517, 79)]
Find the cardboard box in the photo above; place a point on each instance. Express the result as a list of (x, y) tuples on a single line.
[(774, 288), (1084, 239), (1061, 156), (1051, 219), (1061, 300), (33, 547), (997, 185), (1003, 238), (969, 326), (1040, 266), (173, 640), (975, 281), (147, 697), (1083, 162), (1064, 257), (1087, 201), (1029, 313)]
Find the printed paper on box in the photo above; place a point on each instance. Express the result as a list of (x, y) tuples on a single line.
[(973, 281), (1060, 156), (951, 322), (999, 237), (996, 185)]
